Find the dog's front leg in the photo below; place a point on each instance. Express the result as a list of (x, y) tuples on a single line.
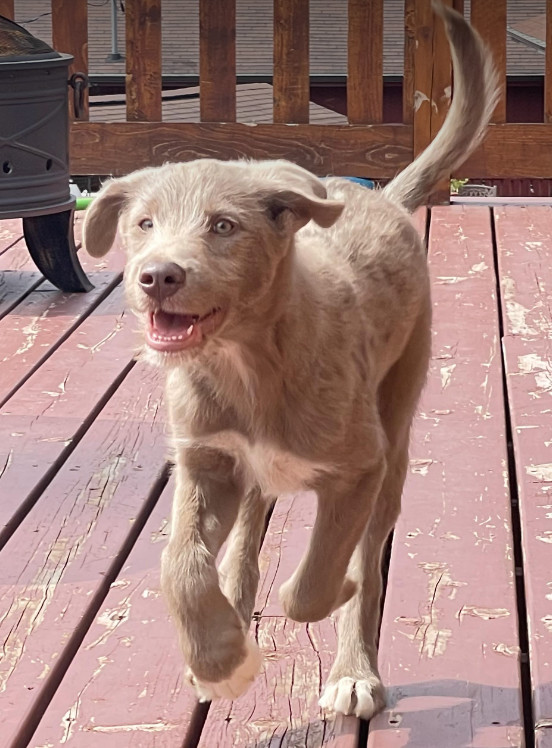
[(319, 585), (221, 659)]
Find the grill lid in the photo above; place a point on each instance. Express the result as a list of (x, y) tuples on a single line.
[(16, 43)]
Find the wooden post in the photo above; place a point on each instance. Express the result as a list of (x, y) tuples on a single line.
[(490, 20), (432, 84), (7, 8), (365, 62), (548, 65), (291, 61), (217, 60), (70, 35), (143, 60), (409, 57)]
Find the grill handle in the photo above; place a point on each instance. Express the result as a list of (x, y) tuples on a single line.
[(79, 83)]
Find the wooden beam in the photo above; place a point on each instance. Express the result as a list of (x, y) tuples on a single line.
[(217, 60), (377, 151), (70, 35), (490, 20), (143, 60), (291, 61), (512, 151), (365, 62)]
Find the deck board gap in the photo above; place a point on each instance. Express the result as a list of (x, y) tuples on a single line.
[(522, 621), (61, 666), (15, 241), (70, 330), (28, 503)]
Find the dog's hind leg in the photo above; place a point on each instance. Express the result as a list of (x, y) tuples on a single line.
[(354, 685), (222, 660), (239, 568)]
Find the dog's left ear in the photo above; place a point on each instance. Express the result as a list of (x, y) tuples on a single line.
[(302, 208)]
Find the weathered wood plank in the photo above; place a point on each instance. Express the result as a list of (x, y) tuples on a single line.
[(449, 646), (18, 274), (11, 231), (217, 60), (57, 567), (490, 20), (70, 35), (524, 246), (41, 421), (143, 61), (365, 62), (281, 708), (45, 316), (377, 151), (512, 151), (125, 686), (291, 61)]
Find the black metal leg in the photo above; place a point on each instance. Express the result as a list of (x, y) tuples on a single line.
[(51, 244)]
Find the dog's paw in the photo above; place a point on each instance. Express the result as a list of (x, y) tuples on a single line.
[(360, 697), (238, 682)]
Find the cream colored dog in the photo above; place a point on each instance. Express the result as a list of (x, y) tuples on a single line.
[(292, 317)]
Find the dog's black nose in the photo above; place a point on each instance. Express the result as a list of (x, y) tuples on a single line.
[(162, 279)]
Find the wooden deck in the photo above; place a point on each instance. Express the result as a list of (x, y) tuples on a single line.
[(89, 655)]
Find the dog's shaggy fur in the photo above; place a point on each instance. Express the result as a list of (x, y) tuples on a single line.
[(292, 317)]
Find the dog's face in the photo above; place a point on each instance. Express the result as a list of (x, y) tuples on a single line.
[(206, 241)]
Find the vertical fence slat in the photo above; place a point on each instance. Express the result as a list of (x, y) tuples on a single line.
[(143, 60), (70, 35), (548, 65), (217, 60), (365, 62), (490, 20), (432, 82), (409, 52), (7, 8), (291, 61)]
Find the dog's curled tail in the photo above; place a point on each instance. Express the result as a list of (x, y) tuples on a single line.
[(475, 97)]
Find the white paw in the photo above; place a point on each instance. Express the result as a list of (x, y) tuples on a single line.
[(238, 683), (363, 698)]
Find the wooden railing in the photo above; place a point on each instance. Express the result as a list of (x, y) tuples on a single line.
[(364, 147)]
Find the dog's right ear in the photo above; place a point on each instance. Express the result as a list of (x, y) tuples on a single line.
[(102, 216)]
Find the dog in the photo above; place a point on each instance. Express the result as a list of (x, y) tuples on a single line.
[(292, 317)]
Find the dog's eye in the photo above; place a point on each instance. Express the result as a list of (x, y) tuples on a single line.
[(146, 224), (223, 227)]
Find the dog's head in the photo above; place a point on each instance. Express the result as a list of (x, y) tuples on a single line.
[(206, 241)]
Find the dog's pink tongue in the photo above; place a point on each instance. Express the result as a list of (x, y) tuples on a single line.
[(171, 324)]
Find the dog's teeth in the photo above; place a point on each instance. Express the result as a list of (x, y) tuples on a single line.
[(190, 330)]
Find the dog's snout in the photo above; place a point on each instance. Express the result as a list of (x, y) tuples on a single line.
[(162, 279)]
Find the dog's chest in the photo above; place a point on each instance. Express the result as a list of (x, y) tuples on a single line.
[(274, 470)]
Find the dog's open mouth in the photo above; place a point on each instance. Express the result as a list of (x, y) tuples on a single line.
[(169, 332)]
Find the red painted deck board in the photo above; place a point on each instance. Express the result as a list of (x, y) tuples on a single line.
[(42, 418), (281, 708), (57, 560), (125, 686), (449, 645), (524, 243)]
